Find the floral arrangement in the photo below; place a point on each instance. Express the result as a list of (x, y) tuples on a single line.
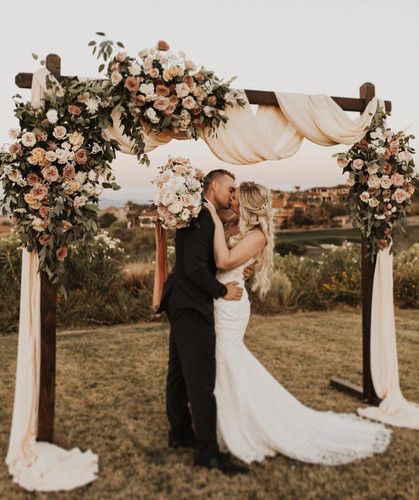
[(55, 170), (165, 91), (179, 193), (382, 179)]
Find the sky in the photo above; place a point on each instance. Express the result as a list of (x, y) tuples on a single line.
[(307, 46)]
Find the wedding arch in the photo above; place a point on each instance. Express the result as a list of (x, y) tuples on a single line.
[(290, 118)]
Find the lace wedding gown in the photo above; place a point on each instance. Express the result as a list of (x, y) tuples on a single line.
[(257, 417)]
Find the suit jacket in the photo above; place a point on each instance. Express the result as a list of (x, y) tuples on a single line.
[(192, 284)]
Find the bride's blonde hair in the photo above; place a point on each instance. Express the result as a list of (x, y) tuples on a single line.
[(256, 213)]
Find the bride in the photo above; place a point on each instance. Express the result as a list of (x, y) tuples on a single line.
[(257, 416)]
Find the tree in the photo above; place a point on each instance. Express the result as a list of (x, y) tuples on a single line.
[(107, 219)]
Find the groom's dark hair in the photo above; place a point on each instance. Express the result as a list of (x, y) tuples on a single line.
[(214, 175)]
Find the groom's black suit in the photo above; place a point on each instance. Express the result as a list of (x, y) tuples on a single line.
[(188, 300)]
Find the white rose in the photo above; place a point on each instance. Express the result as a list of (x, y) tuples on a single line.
[(185, 214), (152, 115), (365, 196), (147, 89), (175, 207), (135, 70), (116, 77), (404, 156), (14, 133), (50, 156), (166, 197), (28, 139), (373, 202), (386, 182), (372, 168), (374, 182), (38, 224), (182, 90), (52, 116)]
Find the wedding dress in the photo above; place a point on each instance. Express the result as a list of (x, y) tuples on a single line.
[(257, 417)]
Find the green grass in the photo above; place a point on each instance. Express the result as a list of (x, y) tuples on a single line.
[(110, 398)]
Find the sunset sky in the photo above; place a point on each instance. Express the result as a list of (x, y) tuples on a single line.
[(307, 46)]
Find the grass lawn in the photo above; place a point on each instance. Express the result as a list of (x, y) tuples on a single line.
[(110, 398)]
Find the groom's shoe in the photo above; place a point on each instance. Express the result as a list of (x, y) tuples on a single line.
[(181, 443), (222, 463)]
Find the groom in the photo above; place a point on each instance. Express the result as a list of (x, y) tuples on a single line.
[(188, 300)]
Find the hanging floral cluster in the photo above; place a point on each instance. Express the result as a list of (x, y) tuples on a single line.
[(382, 179), (54, 171)]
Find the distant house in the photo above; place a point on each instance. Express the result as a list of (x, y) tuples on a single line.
[(148, 218)]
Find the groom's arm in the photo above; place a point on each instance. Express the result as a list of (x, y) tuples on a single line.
[(197, 245)]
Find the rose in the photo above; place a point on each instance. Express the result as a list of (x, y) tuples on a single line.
[(81, 157), (182, 89), (38, 224), (175, 207), (135, 70), (372, 168), (147, 89), (404, 156), (50, 156), (162, 90), (15, 149), (44, 212), (132, 83), (50, 173), (52, 115), (399, 195), (166, 197), (161, 103), (147, 64), (45, 239), (162, 45), (152, 116), (374, 181), (410, 189), (167, 75), (188, 102), (75, 139), (365, 196), (121, 56), (61, 253), (212, 100), (74, 110), (39, 191), (187, 199), (373, 202), (14, 133), (139, 100), (116, 77), (28, 139), (70, 186), (59, 132), (397, 180), (69, 171), (80, 201), (154, 72), (386, 182), (32, 179), (388, 169), (358, 164), (32, 201), (394, 147)]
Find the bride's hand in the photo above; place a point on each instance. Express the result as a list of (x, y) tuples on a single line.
[(213, 212)]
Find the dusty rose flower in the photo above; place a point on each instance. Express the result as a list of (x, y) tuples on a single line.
[(66, 225), (71, 186), (52, 145), (162, 45), (200, 76), (32, 179), (14, 220), (45, 239), (342, 162), (170, 110), (41, 136), (80, 201), (32, 201), (154, 72), (386, 154), (74, 110), (196, 111), (173, 100), (410, 189), (188, 102), (188, 79), (81, 157), (50, 173), (50, 156), (39, 191), (132, 83), (394, 147), (388, 169), (212, 100), (15, 149), (161, 103), (397, 180), (196, 123), (61, 253), (386, 194), (59, 132), (139, 100), (69, 171), (162, 90), (28, 139), (38, 224), (44, 212)]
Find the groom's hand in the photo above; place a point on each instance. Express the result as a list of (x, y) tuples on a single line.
[(248, 271), (234, 292)]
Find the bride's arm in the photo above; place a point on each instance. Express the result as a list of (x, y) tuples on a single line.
[(248, 247)]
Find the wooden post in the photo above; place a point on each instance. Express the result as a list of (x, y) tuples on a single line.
[(46, 409), (367, 92)]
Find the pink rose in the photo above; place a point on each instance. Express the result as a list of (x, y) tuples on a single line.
[(132, 83), (154, 72), (162, 91), (170, 110), (15, 149), (61, 253), (69, 172), (39, 191), (358, 164), (161, 103), (80, 201), (59, 132), (44, 212), (32, 179), (162, 45), (45, 239), (397, 180), (81, 156), (66, 225), (399, 195), (50, 174)]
